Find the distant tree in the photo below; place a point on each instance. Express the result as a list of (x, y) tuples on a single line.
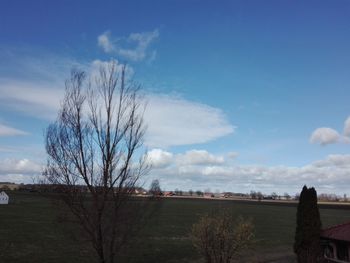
[(177, 191), (154, 189), (253, 194), (274, 195), (221, 237), (190, 192), (207, 191), (199, 193), (307, 235), (259, 195), (286, 196), (328, 197)]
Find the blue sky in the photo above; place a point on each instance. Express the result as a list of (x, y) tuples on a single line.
[(243, 95)]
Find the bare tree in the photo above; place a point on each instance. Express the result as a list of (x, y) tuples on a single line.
[(92, 148), (274, 195), (286, 196), (220, 238), (199, 193), (253, 194), (155, 190)]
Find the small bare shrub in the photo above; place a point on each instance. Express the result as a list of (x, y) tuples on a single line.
[(221, 237)]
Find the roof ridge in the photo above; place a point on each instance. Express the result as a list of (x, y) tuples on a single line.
[(336, 226)]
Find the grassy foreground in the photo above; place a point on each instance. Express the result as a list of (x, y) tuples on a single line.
[(30, 231)]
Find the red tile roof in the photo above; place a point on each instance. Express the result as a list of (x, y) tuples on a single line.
[(338, 232)]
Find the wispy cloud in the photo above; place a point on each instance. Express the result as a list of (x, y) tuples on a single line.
[(33, 85), (135, 47), (171, 120), (10, 131), (35, 65), (37, 99), (40, 97)]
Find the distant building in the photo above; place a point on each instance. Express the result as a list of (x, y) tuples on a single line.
[(140, 191), (209, 195), (4, 198), (9, 186), (335, 242)]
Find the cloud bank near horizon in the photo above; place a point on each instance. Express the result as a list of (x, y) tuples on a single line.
[(329, 175), (199, 170)]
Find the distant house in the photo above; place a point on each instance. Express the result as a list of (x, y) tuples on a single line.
[(9, 186), (335, 242), (209, 195), (4, 198), (140, 191)]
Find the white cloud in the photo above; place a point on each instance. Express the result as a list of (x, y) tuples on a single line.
[(159, 158), (325, 136), (19, 166), (19, 170), (199, 157), (104, 42), (347, 127), (334, 160), (174, 121), (330, 175), (9, 131), (345, 139), (135, 47), (233, 155)]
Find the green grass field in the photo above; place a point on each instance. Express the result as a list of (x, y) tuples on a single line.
[(30, 231)]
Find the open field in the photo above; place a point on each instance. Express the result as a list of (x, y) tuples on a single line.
[(30, 231)]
